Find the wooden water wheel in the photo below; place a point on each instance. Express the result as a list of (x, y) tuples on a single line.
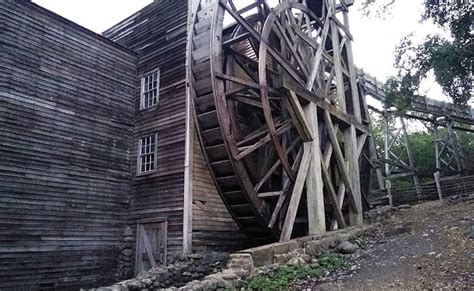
[(276, 115)]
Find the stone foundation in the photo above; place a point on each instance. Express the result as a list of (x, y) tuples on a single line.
[(180, 271), (209, 271), (126, 258)]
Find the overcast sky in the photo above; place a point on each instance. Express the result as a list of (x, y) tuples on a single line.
[(374, 39)]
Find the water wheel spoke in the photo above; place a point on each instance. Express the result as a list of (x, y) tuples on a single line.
[(247, 100), (273, 168), (298, 116), (285, 126), (280, 32), (286, 187), (332, 196)]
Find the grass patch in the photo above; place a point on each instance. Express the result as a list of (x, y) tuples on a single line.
[(282, 277)]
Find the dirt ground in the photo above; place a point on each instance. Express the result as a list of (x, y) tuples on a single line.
[(427, 246)]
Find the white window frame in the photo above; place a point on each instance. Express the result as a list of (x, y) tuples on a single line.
[(144, 91), (140, 155)]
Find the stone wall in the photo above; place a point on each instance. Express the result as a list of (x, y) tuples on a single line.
[(126, 259), (219, 271), (181, 270)]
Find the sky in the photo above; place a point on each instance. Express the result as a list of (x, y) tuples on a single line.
[(375, 38)]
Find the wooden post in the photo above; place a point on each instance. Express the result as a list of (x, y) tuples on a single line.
[(189, 146), (340, 90), (416, 181), (352, 72), (438, 185), (388, 186), (436, 144), (314, 180), (350, 145), (386, 147), (296, 194), (455, 146)]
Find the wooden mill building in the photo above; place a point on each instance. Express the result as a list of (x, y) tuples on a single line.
[(100, 134), (73, 118)]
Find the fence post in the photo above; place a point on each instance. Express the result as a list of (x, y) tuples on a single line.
[(438, 185), (388, 186)]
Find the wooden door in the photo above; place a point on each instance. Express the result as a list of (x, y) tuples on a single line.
[(151, 245)]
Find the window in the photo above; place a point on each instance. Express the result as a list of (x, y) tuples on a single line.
[(150, 89), (147, 154)]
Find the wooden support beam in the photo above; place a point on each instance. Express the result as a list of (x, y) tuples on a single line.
[(438, 185), (269, 194), (296, 194), (332, 196), (314, 180), (285, 190), (340, 160), (319, 54), (340, 117), (337, 60), (302, 123), (350, 148)]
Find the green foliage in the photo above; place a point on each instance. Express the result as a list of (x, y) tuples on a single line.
[(376, 8), (281, 278), (423, 149), (450, 59)]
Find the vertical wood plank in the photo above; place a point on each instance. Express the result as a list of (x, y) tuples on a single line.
[(296, 194), (148, 248), (314, 180), (350, 149), (438, 185)]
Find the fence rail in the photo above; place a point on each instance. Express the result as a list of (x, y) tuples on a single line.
[(402, 195)]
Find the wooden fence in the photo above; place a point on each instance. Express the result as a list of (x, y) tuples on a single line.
[(405, 195)]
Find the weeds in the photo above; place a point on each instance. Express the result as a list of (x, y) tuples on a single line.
[(282, 277)]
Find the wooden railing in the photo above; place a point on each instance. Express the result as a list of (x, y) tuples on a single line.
[(405, 195)]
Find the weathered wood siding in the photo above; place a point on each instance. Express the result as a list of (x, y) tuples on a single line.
[(66, 115), (157, 34), (213, 226)]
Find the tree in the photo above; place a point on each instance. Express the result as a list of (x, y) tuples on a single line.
[(450, 59)]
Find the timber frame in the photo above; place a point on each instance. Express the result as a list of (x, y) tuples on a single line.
[(433, 114), (283, 136)]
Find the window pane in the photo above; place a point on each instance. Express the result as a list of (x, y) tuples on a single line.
[(150, 90)]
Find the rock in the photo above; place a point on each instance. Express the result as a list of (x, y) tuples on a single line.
[(229, 275), (306, 258), (404, 206), (242, 273), (127, 252), (296, 261), (347, 247), (372, 214), (128, 231), (221, 283), (281, 259), (135, 284)]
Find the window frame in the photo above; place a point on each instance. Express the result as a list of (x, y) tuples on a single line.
[(139, 155), (156, 71)]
